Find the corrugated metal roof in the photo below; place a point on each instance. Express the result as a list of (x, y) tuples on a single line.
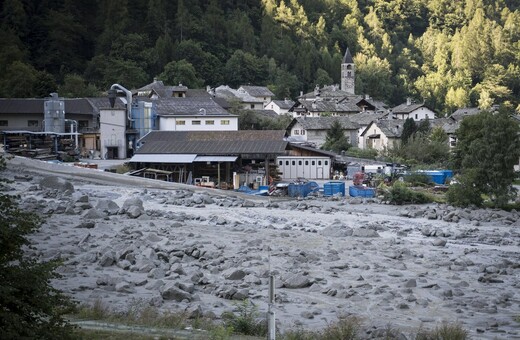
[(162, 158), (32, 105), (215, 159), (213, 142)]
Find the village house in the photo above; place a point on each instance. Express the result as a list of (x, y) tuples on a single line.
[(412, 110), (281, 107), (313, 131), (383, 134), (261, 93), (363, 119), (240, 98)]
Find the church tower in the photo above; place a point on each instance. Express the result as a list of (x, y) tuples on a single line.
[(348, 72)]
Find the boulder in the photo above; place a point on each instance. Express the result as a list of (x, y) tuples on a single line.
[(171, 292), (296, 281), (57, 183)]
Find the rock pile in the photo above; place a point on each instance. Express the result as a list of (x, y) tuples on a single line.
[(181, 250)]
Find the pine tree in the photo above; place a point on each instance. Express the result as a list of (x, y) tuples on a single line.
[(30, 308)]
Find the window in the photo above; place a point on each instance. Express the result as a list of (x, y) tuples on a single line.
[(195, 122), (306, 162), (252, 106), (286, 162), (224, 122), (303, 132), (293, 162), (416, 116), (313, 163), (319, 162), (82, 124), (326, 162), (280, 162), (3, 123), (210, 122), (296, 132), (299, 162), (180, 122), (32, 123)]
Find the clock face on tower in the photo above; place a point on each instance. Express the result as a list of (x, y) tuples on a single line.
[(349, 82)]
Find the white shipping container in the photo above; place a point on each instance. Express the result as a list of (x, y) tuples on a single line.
[(293, 167)]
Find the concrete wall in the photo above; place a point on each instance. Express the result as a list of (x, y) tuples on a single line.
[(112, 131)]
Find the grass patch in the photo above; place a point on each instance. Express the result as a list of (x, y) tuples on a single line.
[(445, 331), (138, 313)]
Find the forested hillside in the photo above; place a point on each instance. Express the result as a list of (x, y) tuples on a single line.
[(449, 53)]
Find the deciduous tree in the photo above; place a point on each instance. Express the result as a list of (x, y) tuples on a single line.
[(488, 147)]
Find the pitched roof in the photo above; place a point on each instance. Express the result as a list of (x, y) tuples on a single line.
[(36, 105), (406, 108), (329, 106), (448, 124), (257, 91), (266, 113), (166, 91), (392, 128), (347, 58), (284, 104), (214, 142), (226, 92), (189, 106), (464, 112), (326, 92), (365, 118), (323, 123)]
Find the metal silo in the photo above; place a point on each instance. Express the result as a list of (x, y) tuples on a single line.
[(54, 114)]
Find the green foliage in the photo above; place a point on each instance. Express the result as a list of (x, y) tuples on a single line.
[(368, 153), (181, 72), (74, 86), (487, 149), (417, 179), (423, 149), (29, 306), (445, 331), (464, 192), (336, 140), (399, 193), (409, 128), (252, 120), (450, 54), (246, 319)]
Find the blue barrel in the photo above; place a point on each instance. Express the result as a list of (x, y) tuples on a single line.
[(361, 191), (438, 177), (334, 188), (299, 189)]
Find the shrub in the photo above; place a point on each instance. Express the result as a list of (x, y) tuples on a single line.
[(246, 320), (418, 179), (464, 193), (399, 194), (343, 329), (362, 153), (444, 332)]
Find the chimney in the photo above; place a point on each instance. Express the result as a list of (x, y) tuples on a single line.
[(408, 101), (301, 93)]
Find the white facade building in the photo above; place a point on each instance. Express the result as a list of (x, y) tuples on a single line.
[(112, 128), (198, 123)]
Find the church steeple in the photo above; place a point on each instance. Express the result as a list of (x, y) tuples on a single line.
[(348, 72)]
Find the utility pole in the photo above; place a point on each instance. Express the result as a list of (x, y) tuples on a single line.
[(270, 312)]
